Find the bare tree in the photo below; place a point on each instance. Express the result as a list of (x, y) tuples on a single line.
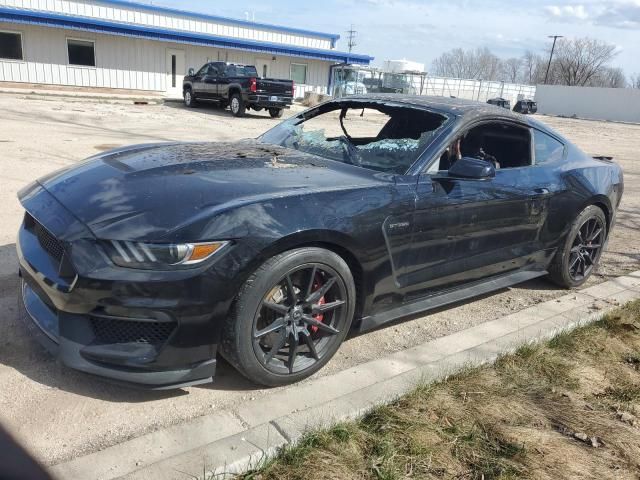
[(634, 81), (478, 64), (511, 70), (579, 60), (608, 77)]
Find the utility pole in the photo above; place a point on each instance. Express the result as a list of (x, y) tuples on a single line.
[(352, 37), (553, 47)]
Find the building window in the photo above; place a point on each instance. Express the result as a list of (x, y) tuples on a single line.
[(299, 73), (81, 52), (11, 45)]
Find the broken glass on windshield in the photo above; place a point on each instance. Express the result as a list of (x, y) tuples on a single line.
[(376, 135)]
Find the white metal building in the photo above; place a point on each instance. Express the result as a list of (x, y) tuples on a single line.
[(127, 45)]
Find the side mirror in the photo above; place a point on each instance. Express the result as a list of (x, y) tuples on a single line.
[(472, 168), (191, 72)]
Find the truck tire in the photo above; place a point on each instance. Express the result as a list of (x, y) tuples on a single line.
[(189, 98), (237, 105), (276, 112)]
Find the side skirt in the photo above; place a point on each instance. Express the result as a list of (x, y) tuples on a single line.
[(447, 297)]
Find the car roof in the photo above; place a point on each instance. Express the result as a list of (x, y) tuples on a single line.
[(452, 106), (458, 107)]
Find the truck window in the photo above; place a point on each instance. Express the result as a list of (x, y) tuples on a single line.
[(241, 71)]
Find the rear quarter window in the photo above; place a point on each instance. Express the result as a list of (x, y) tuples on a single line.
[(547, 148)]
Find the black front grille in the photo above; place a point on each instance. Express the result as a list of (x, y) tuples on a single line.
[(111, 330), (47, 241)]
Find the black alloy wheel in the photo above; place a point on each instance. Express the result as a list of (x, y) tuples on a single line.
[(290, 317), (299, 319), (586, 248), (576, 260)]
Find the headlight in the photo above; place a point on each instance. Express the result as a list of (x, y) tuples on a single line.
[(158, 255)]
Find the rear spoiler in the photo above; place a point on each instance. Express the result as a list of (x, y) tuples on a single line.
[(603, 158)]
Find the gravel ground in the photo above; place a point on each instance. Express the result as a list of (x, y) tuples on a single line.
[(60, 414)]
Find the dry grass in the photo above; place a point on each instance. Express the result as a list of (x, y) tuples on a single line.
[(564, 409)]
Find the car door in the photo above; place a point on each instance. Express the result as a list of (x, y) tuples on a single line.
[(224, 79), (468, 229), (210, 82), (197, 84)]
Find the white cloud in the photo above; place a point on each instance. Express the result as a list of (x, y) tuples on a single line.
[(573, 12)]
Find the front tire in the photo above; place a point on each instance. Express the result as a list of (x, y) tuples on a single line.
[(189, 98), (237, 105), (290, 317), (574, 263), (276, 112)]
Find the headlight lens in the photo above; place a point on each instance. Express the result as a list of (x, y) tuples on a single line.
[(158, 255)]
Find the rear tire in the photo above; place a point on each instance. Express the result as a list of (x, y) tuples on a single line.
[(283, 354), (577, 259), (237, 105), (276, 112), (189, 98)]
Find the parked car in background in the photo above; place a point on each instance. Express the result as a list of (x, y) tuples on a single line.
[(500, 102), (239, 87), (144, 263), (525, 106)]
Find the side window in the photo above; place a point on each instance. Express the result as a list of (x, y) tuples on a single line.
[(81, 52), (212, 70), (547, 148), (503, 144), (203, 70), (11, 45)]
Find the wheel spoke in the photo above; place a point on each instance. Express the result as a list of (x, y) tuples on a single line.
[(274, 327), (594, 235), (311, 280), (573, 263), (293, 351), (318, 294), (276, 347), (593, 247), (575, 249), (293, 297), (276, 307), (326, 307), (312, 347), (321, 326)]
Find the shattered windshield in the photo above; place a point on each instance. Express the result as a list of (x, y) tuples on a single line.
[(381, 136)]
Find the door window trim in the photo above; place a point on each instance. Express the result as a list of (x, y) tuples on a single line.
[(565, 150), (474, 124)]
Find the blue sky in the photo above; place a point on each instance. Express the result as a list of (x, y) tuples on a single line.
[(421, 30)]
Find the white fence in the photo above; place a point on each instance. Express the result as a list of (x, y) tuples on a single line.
[(614, 104), (476, 89)]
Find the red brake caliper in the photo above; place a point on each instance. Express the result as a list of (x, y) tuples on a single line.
[(318, 316)]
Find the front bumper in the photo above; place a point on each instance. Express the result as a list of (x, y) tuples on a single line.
[(73, 351), (153, 329)]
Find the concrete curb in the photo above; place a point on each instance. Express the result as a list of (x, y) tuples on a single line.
[(224, 443)]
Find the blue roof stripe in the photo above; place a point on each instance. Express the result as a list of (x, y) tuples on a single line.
[(160, 34), (204, 16)]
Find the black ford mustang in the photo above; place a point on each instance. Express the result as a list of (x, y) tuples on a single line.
[(142, 264)]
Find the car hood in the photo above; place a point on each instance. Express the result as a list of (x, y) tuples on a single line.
[(149, 192)]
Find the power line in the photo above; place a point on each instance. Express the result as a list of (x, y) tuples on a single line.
[(352, 34)]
